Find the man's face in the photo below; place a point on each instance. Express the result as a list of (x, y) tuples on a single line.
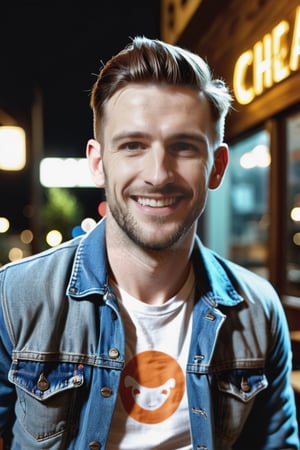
[(157, 162)]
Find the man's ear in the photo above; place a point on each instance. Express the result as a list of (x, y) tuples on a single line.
[(221, 157), (93, 154)]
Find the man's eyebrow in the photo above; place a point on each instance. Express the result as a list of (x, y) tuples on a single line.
[(189, 135), (129, 135), (198, 137)]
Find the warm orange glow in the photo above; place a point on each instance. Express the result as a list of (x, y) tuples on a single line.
[(243, 93), (271, 60), (12, 148)]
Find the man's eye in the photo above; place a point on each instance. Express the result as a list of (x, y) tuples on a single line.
[(133, 146), (183, 147)]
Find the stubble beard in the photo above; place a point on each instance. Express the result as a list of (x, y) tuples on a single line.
[(152, 241)]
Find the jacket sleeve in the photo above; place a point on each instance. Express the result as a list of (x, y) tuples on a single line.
[(272, 424), (7, 391)]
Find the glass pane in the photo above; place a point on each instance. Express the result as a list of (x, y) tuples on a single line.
[(241, 205), (250, 166), (293, 203)]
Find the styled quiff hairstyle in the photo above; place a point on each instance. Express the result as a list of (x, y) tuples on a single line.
[(153, 61)]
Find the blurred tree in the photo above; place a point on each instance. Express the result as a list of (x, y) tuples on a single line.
[(62, 211)]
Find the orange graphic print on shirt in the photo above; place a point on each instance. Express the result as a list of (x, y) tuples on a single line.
[(152, 386)]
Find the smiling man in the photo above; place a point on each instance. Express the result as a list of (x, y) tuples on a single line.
[(156, 159), (157, 172), (136, 336)]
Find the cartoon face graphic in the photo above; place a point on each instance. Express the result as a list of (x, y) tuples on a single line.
[(152, 387), (149, 398)]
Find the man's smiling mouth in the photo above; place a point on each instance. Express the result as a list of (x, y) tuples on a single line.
[(155, 202)]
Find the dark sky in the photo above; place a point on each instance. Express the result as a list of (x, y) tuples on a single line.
[(57, 47)]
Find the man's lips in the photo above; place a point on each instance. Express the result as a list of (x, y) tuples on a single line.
[(156, 202)]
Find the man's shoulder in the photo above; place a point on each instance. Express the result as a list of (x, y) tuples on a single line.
[(252, 286), (252, 279), (256, 290), (41, 263)]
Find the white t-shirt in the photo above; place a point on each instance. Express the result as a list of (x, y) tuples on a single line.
[(152, 409)]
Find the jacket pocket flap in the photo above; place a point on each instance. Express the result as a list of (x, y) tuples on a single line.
[(243, 384), (45, 379)]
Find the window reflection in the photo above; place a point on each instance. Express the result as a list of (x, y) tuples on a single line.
[(293, 203), (249, 179), (237, 214)]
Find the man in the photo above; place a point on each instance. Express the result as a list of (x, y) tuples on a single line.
[(136, 336)]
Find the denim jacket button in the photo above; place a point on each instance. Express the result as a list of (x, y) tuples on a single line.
[(113, 353), (94, 445), (106, 391), (245, 385), (43, 383)]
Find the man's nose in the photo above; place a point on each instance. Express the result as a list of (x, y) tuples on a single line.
[(159, 166)]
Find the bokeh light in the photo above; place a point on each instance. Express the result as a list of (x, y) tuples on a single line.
[(102, 208), (88, 224), (15, 254), (54, 238), (26, 236), (77, 231), (296, 238), (295, 214), (12, 148), (4, 224)]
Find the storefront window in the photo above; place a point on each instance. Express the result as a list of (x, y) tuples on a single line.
[(238, 213), (293, 203), (249, 173)]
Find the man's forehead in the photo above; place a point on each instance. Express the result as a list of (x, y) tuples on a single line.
[(136, 93)]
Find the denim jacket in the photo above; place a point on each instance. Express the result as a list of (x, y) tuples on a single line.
[(62, 349)]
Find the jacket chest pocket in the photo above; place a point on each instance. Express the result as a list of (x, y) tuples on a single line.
[(234, 395), (243, 384), (47, 393)]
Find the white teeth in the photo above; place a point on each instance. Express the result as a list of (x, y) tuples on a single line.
[(156, 203)]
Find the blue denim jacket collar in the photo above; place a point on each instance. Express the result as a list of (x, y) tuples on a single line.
[(89, 278), (213, 281), (86, 276)]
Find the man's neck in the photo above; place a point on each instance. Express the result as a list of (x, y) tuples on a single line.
[(150, 276)]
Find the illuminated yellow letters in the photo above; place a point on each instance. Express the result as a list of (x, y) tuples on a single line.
[(281, 69), (271, 60), (243, 93), (262, 64), (295, 50)]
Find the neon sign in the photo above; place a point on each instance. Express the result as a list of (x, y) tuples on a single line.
[(270, 61)]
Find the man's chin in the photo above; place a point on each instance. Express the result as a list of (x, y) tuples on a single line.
[(156, 236), (158, 241)]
